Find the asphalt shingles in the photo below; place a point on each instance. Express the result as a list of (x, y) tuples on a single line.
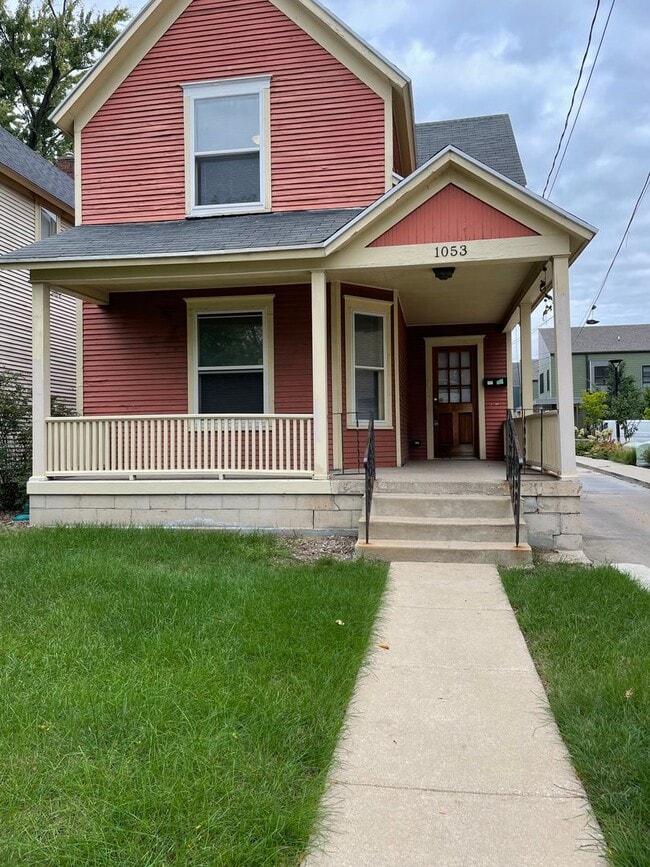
[(26, 163)]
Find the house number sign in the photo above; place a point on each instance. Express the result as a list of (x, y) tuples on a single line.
[(450, 250)]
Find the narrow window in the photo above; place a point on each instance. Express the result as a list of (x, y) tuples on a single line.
[(231, 363), (599, 375), (645, 375), (49, 224), (369, 367)]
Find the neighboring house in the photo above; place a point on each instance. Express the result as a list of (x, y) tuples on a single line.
[(516, 383), (593, 347), (260, 282), (36, 202)]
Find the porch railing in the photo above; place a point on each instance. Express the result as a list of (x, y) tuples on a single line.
[(270, 445), (370, 472), (514, 467), (539, 435)]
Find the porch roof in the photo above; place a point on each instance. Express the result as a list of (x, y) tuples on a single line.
[(207, 235)]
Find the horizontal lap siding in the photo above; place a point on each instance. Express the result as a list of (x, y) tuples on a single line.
[(327, 127), (135, 352), (496, 399), (452, 215)]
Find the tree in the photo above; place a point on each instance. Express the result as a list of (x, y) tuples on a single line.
[(624, 399), (594, 408), (44, 51)]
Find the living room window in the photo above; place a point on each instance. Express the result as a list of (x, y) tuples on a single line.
[(227, 146), (230, 348), (369, 362)]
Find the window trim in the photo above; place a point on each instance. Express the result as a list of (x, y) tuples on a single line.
[(593, 364), (230, 304), (40, 210), (372, 307), (228, 87), (645, 377)]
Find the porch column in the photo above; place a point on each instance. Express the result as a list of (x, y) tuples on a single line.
[(40, 374), (526, 346), (319, 371), (510, 391), (564, 362)]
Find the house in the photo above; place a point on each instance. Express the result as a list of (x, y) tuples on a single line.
[(36, 202), (592, 348), (271, 253)]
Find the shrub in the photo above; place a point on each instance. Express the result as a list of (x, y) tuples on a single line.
[(643, 456), (583, 446), (625, 455)]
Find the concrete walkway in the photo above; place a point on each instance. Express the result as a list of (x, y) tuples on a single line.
[(450, 755), (636, 475)]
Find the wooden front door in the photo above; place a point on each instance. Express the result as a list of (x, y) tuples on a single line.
[(455, 402)]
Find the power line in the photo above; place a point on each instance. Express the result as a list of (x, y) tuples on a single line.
[(644, 189), (573, 95), (582, 99)]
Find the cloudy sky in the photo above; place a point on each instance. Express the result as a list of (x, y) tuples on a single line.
[(471, 57)]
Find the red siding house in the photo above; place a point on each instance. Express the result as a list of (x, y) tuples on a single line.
[(271, 253)]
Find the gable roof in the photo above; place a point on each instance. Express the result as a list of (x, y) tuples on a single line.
[(603, 338), (489, 139), (24, 164), (203, 236)]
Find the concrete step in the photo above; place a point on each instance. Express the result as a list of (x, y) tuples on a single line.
[(399, 550), (427, 486), (441, 529), (442, 505)]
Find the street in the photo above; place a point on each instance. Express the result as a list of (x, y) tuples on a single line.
[(615, 519)]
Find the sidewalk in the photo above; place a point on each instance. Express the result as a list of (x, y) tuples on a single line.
[(450, 755), (636, 475)]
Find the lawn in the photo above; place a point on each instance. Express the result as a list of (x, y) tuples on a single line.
[(170, 697), (588, 631)]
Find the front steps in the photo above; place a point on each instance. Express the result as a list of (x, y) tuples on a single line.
[(443, 522)]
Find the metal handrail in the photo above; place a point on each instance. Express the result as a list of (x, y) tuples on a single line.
[(370, 471), (514, 466)]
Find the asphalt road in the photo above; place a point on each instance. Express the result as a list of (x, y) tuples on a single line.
[(615, 519)]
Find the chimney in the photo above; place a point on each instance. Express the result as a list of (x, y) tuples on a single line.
[(66, 164)]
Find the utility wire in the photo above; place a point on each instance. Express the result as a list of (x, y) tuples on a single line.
[(573, 95), (644, 189), (582, 99)]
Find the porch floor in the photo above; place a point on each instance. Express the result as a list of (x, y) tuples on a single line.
[(451, 471)]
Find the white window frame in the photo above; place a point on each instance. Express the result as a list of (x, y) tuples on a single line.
[(228, 305), (383, 310), (232, 87), (592, 374), (40, 210)]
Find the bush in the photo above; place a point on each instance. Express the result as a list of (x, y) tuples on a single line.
[(643, 456), (625, 455), (16, 437), (583, 446)]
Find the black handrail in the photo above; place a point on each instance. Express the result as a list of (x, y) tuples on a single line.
[(370, 471), (514, 466)]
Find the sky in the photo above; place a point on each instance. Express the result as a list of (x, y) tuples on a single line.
[(471, 57)]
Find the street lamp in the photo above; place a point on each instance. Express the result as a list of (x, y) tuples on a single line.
[(616, 364)]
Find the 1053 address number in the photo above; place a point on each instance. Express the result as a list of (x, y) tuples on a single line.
[(451, 250)]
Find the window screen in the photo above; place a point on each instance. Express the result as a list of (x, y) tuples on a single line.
[(231, 363)]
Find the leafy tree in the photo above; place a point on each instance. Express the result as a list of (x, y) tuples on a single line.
[(646, 399), (594, 408), (624, 399), (44, 51)]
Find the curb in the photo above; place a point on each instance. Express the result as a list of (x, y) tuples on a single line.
[(606, 471)]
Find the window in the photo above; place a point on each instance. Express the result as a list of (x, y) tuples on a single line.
[(48, 224), (599, 375), (368, 353), (228, 146), (230, 347), (548, 380), (645, 375)]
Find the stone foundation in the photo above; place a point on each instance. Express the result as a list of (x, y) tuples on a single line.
[(551, 509), (335, 510)]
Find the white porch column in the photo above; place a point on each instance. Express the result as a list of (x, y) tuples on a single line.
[(510, 391), (319, 370), (40, 374), (563, 360), (526, 368)]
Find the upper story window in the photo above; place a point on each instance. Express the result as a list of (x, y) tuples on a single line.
[(49, 224), (228, 146), (599, 374)]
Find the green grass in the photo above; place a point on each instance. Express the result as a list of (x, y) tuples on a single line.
[(588, 631), (170, 697)]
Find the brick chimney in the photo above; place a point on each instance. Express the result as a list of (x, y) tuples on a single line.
[(66, 164)]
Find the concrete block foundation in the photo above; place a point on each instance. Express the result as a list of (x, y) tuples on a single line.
[(551, 508)]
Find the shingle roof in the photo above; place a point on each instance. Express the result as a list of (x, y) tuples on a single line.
[(179, 237), (603, 338), (489, 139), (27, 164)]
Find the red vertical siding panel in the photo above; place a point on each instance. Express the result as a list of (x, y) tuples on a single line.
[(452, 215), (496, 399), (135, 352), (327, 127)]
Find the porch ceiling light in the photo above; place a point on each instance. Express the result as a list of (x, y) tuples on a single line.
[(443, 273)]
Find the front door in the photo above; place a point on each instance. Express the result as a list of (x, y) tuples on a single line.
[(455, 401)]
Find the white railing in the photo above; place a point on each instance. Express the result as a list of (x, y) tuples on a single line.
[(539, 434), (269, 445)]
